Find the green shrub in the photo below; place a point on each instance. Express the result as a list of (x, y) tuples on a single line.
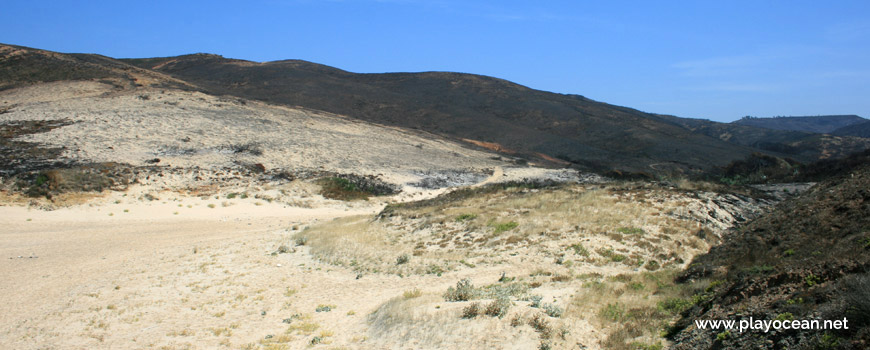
[(465, 217), (535, 300), (553, 310), (579, 249), (812, 280), (352, 187), (504, 226), (613, 312), (675, 306), (786, 316)]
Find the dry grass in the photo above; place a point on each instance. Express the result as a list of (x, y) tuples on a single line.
[(635, 308), (572, 224)]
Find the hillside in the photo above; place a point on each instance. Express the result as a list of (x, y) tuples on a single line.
[(818, 124), (858, 130), (805, 260), (482, 110), (805, 147), (22, 66)]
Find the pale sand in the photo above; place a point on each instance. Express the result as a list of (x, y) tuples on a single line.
[(200, 279)]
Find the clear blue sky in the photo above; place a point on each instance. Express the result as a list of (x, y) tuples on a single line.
[(718, 60)]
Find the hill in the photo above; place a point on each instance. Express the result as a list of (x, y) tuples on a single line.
[(22, 66), (858, 130), (805, 260), (801, 146), (819, 124), (482, 110), (479, 111)]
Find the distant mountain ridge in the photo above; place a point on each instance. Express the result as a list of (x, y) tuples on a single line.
[(480, 111), (823, 124)]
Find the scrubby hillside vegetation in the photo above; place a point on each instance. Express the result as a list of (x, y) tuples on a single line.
[(806, 260), (822, 124)]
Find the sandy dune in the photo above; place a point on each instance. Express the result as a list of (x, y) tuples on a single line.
[(183, 257)]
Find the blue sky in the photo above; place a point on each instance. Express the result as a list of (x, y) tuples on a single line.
[(718, 60)]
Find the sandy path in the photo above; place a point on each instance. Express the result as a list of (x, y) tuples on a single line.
[(84, 263), (201, 279)]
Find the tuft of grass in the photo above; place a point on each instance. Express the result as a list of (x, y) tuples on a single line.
[(403, 259), (504, 226), (324, 308), (613, 312), (411, 294), (631, 230), (466, 217), (579, 249)]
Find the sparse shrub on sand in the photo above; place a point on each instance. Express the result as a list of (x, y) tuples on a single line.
[(464, 291), (535, 300), (402, 259), (498, 307), (553, 310), (353, 187), (541, 325), (471, 311), (324, 308)]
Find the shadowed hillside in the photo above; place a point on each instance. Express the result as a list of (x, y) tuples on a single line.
[(820, 124), (548, 128), (21, 66), (806, 260), (799, 145), (859, 130), (491, 112)]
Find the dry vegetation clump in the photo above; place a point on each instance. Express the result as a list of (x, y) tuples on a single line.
[(637, 308), (353, 187)]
